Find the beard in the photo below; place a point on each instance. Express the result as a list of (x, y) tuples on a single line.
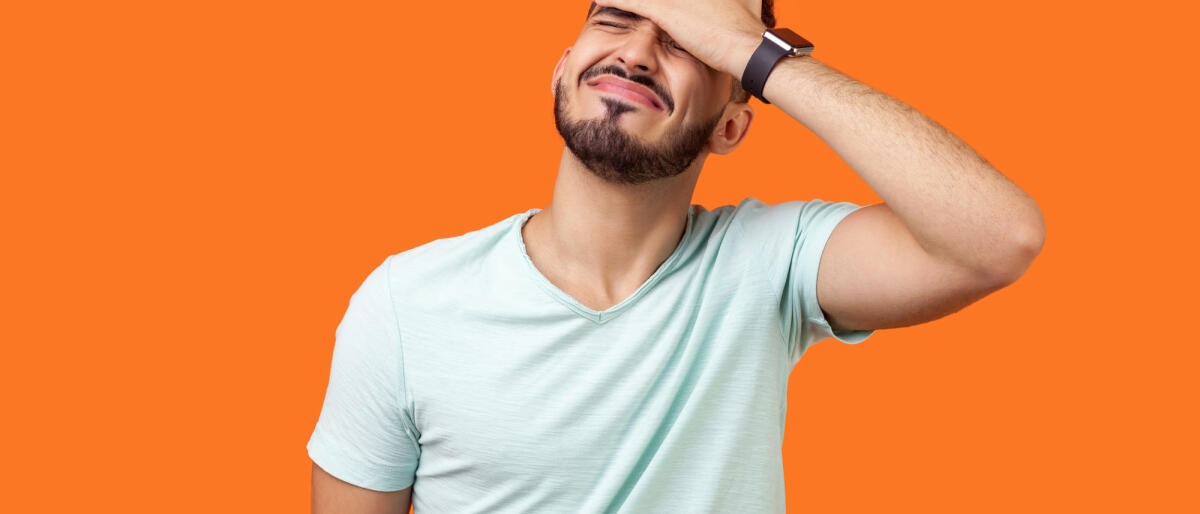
[(610, 153)]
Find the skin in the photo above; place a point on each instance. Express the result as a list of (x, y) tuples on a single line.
[(951, 229), (331, 495), (601, 259)]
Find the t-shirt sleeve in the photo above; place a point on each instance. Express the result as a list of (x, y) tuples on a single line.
[(364, 434), (791, 237)]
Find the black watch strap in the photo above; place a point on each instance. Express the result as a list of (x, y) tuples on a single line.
[(754, 78)]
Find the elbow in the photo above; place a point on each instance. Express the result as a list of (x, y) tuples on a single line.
[(1026, 244)]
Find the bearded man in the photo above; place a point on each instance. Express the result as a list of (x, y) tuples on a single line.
[(626, 350)]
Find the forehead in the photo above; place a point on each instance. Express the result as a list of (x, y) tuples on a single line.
[(613, 11), (629, 17)]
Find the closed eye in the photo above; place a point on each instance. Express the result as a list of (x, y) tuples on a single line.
[(672, 44), (675, 46)]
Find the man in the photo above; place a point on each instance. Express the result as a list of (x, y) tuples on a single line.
[(623, 350)]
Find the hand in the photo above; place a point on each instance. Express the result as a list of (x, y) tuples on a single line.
[(721, 33)]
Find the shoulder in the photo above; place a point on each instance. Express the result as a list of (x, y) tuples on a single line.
[(433, 263)]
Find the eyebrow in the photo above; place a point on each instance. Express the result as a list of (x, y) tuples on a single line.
[(613, 11)]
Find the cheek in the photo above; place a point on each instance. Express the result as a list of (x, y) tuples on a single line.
[(697, 97)]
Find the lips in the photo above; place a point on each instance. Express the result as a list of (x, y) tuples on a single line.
[(631, 90)]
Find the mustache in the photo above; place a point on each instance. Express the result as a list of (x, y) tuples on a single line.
[(644, 80)]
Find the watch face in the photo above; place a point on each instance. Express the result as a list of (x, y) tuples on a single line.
[(795, 40)]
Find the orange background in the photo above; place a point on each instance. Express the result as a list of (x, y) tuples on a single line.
[(192, 191)]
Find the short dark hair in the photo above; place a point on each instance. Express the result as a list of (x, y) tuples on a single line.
[(738, 95)]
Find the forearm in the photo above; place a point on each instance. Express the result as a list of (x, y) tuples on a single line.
[(955, 204)]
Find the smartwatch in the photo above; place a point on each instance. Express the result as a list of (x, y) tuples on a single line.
[(776, 44)]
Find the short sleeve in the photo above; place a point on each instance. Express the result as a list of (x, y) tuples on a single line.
[(789, 239), (364, 434), (817, 220)]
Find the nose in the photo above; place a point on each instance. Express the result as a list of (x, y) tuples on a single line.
[(639, 53)]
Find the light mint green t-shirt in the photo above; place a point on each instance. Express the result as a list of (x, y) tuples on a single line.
[(460, 370)]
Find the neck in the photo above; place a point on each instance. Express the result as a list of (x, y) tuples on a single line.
[(608, 238)]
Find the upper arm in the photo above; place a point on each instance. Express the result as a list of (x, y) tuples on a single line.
[(873, 274), (365, 438), (331, 495)]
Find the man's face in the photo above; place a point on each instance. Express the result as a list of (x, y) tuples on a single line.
[(633, 106)]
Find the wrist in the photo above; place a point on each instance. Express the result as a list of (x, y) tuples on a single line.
[(739, 52)]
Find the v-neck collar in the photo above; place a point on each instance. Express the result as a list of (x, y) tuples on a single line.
[(596, 316)]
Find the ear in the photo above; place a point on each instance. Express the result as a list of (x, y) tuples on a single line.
[(732, 129), (558, 69)]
